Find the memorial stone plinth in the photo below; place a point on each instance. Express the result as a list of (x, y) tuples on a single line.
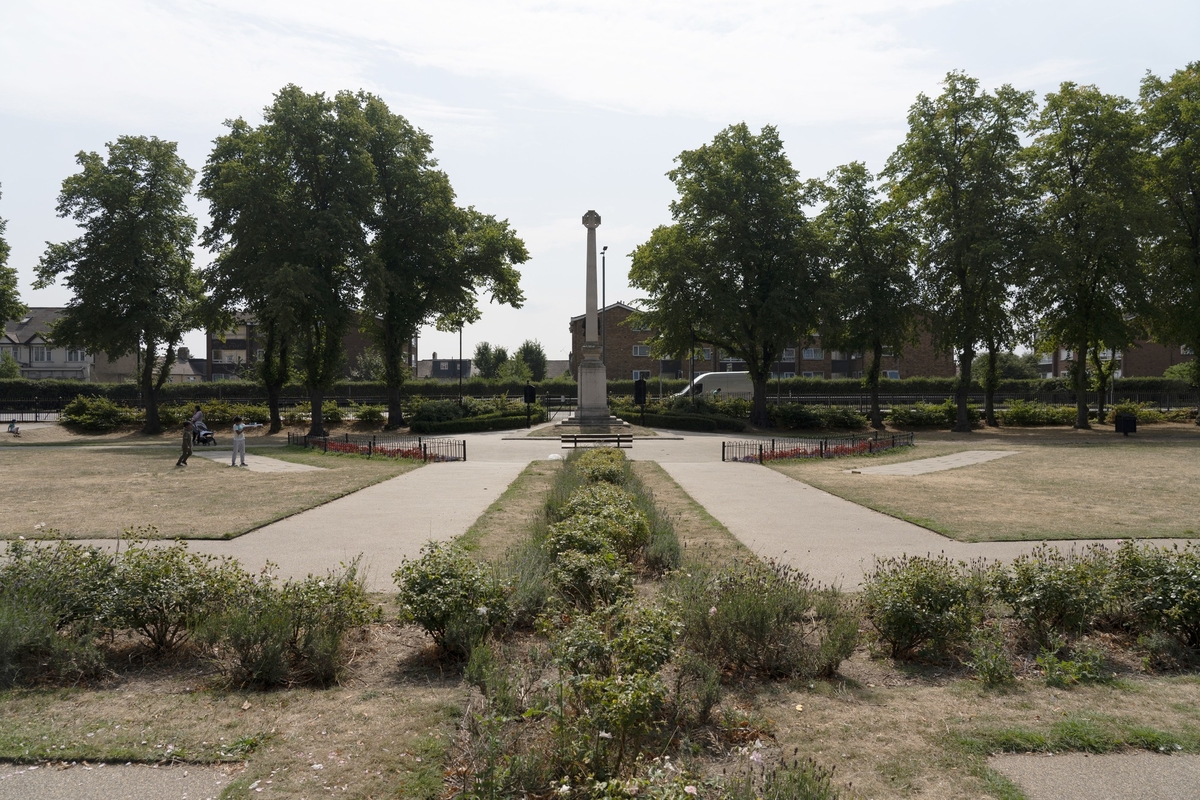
[(592, 410)]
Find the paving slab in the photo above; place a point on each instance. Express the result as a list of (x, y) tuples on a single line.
[(1119, 776), (922, 466), (111, 782), (256, 463)]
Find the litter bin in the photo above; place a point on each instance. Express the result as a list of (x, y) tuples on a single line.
[(1126, 423)]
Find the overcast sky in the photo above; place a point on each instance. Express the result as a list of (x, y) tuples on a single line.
[(539, 110)]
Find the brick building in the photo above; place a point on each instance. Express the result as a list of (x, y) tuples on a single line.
[(627, 355), (1144, 359), (230, 353)]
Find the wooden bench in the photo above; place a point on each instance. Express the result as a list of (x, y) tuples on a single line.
[(574, 440)]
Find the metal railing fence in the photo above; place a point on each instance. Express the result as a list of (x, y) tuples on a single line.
[(763, 450), (370, 445)]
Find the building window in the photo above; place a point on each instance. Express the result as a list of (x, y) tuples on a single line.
[(1066, 355), (813, 354), (75, 355), (638, 326), (789, 354), (1048, 358), (1185, 350), (894, 374), (812, 374), (1048, 375), (217, 356), (1066, 373), (259, 354), (789, 374), (837, 355), (41, 353), (706, 354), (641, 350), (641, 374), (445, 366)]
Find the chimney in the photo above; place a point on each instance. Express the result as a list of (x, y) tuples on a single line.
[(182, 354)]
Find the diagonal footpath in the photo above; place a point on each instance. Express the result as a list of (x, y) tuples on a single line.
[(833, 540), (386, 522)]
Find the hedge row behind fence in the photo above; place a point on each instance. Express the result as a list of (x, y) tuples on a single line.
[(22, 389)]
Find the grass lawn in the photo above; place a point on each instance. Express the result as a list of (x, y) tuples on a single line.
[(1061, 484), (891, 730), (87, 492)]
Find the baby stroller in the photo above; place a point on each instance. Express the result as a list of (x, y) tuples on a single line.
[(201, 435)]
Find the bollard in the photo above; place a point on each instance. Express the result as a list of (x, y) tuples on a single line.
[(722, 451), (760, 452)]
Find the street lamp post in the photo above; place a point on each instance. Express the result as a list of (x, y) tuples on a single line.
[(460, 330), (603, 303)]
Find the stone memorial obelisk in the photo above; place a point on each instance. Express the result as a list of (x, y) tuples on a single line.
[(593, 382)]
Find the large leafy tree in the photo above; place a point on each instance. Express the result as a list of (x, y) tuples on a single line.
[(870, 245), (290, 202), (1171, 112), (957, 169), (534, 356), (245, 182), (134, 287), (11, 306), (487, 360), (1087, 167), (738, 268), (429, 259)]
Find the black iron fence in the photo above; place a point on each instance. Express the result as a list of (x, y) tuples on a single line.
[(762, 450), (33, 410), (423, 448)]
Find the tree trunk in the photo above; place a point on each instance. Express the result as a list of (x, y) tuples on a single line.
[(1081, 406), (1101, 383), (275, 373), (990, 379), (149, 392), (758, 413), (393, 375), (962, 423), (317, 428), (873, 386)]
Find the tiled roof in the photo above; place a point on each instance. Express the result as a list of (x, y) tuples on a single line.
[(36, 322)]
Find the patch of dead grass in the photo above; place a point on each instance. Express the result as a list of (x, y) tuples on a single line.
[(86, 492), (379, 732), (702, 537), (1061, 484)]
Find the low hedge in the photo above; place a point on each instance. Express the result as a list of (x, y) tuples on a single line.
[(687, 422), (477, 424)]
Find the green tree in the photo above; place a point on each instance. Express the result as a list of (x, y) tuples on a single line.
[(131, 275), (871, 247), (534, 356), (486, 361), (1009, 366), (1171, 112), (291, 202), (246, 184), (957, 170), (11, 306), (9, 368), (738, 268), (1087, 167), (514, 370)]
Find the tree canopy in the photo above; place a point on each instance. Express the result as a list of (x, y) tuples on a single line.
[(738, 269), (11, 306), (534, 355), (1171, 111), (133, 286), (1087, 167), (871, 305), (957, 171)]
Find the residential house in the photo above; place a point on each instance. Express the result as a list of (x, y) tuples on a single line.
[(27, 340), (230, 353), (1142, 359)]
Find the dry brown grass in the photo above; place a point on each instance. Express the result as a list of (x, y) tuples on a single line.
[(701, 536), (380, 734), (1062, 484), (88, 492)]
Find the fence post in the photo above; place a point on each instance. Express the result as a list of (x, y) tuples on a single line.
[(325, 445), (424, 454), (371, 447), (464, 441), (760, 451), (722, 451)]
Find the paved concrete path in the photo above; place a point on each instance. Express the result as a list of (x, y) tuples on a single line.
[(111, 782), (256, 463), (921, 466), (386, 522), (1076, 776)]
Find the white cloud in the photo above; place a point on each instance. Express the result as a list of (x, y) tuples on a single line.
[(801, 62)]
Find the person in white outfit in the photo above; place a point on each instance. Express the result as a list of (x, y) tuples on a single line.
[(239, 440)]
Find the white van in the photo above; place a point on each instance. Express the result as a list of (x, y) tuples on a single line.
[(726, 384)]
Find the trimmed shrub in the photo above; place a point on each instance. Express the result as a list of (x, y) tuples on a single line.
[(99, 414), (32, 648), (989, 658), (591, 580), (605, 464), (795, 416), (626, 526), (1162, 588), (1021, 413), (1053, 594), (1146, 413), (454, 599), (438, 411), (69, 582), (370, 415), (930, 415), (765, 620), (477, 424), (919, 603), (160, 592)]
